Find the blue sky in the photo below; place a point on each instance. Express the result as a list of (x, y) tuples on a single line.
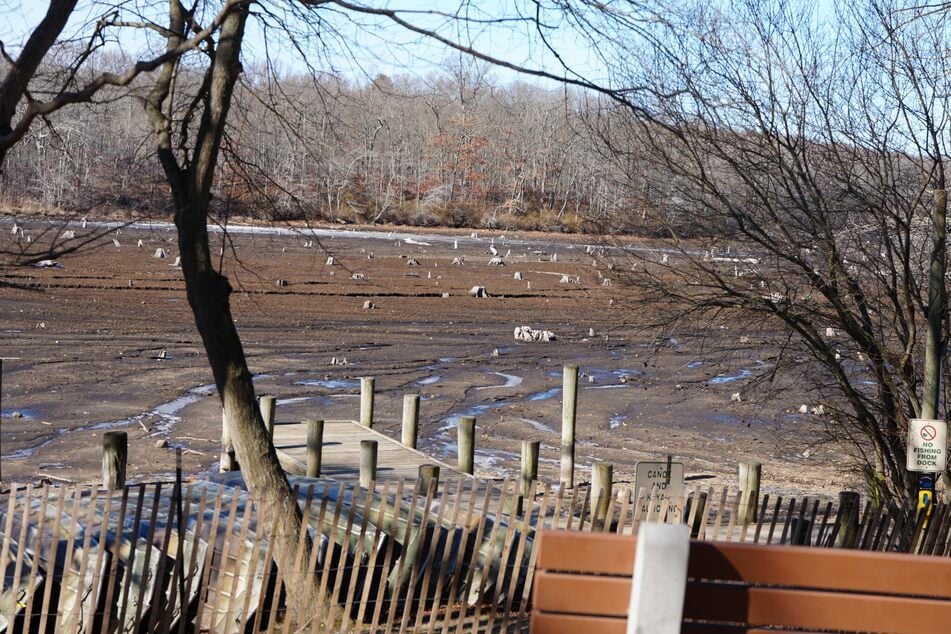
[(366, 45)]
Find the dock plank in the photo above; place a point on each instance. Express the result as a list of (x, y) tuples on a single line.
[(341, 452)]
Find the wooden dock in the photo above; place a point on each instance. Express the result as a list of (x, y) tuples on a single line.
[(341, 452)]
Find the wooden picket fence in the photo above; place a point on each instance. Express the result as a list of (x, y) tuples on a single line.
[(194, 557)]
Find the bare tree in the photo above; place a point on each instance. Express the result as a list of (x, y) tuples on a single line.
[(187, 93), (818, 154)]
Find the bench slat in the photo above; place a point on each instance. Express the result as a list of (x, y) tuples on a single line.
[(811, 609), (568, 624), (571, 551), (822, 568), (720, 628), (582, 594), (583, 583)]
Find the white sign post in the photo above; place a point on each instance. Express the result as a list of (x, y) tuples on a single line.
[(653, 476), (927, 445)]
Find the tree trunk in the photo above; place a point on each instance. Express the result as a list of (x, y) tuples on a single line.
[(209, 291)]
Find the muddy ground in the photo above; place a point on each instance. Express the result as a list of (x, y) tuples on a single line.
[(108, 342)]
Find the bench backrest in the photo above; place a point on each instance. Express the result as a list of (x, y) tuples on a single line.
[(583, 582)]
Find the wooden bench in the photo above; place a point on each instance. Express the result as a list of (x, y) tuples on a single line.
[(583, 583)]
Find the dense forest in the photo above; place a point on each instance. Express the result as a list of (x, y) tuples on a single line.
[(454, 148)]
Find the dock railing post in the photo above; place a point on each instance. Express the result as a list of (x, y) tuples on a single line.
[(529, 471), (228, 460), (568, 410), (602, 487), (367, 463), (366, 401), (847, 519), (466, 438), (700, 516), (410, 429), (749, 485), (428, 473), (315, 445), (268, 405), (115, 454)]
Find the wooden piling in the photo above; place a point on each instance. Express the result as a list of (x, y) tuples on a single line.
[(529, 469), (228, 460), (367, 462), (749, 486), (847, 521), (410, 420), (568, 410), (428, 473), (602, 487), (700, 516), (268, 405), (115, 453), (366, 401), (466, 439), (315, 445)]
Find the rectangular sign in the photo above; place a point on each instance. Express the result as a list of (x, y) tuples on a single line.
[(648, 475), (927, 445)]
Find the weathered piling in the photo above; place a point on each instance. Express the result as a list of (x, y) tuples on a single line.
[(428, 473), (568, 410), (466, 441), (115, 454), (368, 449), (749, 486), (366, 401), (268, 405), (529, 469), (699, 516), (602, 487), (847, 522), (228, 460), (315, 444), (410, 428)]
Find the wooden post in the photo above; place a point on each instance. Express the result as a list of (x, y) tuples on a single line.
[(367, 462), (410, 419), (602, 487), (568, 410), (366, 401), (115, 453), (315, 445), (847, 520), (428, 473), (749, 477), (228, 460), (700, 516), (529, 469), (466, 438), (800, 533), (268, 405)]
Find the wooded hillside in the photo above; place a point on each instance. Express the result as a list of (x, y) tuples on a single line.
[(455, 148)]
